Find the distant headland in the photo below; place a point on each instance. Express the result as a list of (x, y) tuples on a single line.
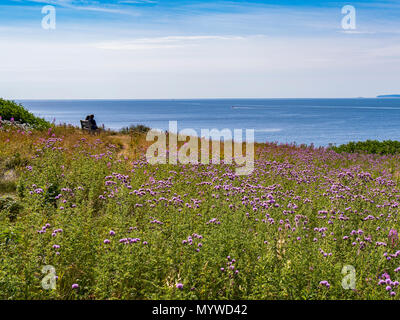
[(389, 96)]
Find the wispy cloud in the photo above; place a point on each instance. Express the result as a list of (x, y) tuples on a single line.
[(357, 32), (137, 1), (161, 42), (90, 6), (202, 48)]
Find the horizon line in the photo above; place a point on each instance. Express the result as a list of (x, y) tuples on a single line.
[(177, 99)]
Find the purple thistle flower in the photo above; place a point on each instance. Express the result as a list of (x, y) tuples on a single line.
[(179, 286), (393, 237)]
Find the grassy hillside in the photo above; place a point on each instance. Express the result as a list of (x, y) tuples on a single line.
[(115, 227)]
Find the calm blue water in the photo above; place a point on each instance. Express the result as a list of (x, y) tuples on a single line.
[(318, 121)]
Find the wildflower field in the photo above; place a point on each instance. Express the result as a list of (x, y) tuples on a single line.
[(115, 227)]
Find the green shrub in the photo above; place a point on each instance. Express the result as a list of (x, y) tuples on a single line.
[(51, 194), (12, 110), (11, 207), (9, 236), (7, 186), (135, 129), (16, 161), (370, 146)]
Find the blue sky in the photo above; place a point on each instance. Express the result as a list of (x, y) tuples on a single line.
[(198, 49)]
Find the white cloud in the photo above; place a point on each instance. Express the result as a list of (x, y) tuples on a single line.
[(137, 1), (161, 42), (188, 55), (357, 32), (199, 66), (88, 6)]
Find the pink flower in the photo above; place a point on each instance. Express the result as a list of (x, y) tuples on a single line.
[(179, 286)]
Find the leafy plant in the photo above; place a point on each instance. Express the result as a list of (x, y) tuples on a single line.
[(11, 110), (11, 207), (370, 146), (135, 129)]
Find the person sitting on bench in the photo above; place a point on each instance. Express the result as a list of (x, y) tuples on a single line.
[(92, 122)]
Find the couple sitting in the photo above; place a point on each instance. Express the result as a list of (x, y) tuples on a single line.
[(92, 122)]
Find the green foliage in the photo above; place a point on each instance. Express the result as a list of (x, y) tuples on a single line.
[(52, 192), (370, 146), (7, 186), (8, 236), (10, 207), (135, 129), (16, 161), (10, 109)]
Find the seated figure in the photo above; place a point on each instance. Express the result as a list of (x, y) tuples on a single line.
[(92, 122)]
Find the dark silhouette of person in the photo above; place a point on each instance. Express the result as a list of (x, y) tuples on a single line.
[(87, 118), (92, 122)]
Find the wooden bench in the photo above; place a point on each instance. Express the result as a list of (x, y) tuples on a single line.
[(85, 124)]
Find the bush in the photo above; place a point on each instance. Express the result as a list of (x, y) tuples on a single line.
[(370, 146), (11, 110), (11, 207), (7, 186), (16, 161), (135, 129)]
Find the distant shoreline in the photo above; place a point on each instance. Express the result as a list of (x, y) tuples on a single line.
[(389, 96), (194, 99)]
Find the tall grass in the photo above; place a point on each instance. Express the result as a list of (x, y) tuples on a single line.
[(115, 227)]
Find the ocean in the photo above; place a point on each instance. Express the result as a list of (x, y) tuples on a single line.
[(301, 121)]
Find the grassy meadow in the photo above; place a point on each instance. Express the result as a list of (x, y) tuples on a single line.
[(115, 227)]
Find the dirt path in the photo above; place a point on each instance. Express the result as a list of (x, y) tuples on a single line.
[(125, 141)]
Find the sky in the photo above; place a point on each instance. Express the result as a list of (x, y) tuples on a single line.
[(162, 49)]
